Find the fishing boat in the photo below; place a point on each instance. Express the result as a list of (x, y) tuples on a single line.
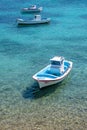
[(53, 73), (37, 20), (32, 9)]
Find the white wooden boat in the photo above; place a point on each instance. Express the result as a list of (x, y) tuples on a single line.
[(37, 20), (32, 9), (54, 72)]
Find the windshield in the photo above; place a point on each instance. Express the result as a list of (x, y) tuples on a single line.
[(55, 63)]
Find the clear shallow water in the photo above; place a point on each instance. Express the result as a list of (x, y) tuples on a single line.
[(26, 50)]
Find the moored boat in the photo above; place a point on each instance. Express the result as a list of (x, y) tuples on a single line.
[(54, 72), (37, 20), (32, 9)]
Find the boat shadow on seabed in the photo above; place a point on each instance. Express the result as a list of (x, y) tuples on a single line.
[(35, 92)]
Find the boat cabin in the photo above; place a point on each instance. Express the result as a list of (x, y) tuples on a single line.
[(33, 7), (57, 65), (37, 17), (57, 61)]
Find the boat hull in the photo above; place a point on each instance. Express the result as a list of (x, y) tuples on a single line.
[(30, 10), (33, 22), (44, 79), (43, 84)]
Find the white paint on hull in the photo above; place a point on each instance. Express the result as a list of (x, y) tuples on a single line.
[(43, 82)]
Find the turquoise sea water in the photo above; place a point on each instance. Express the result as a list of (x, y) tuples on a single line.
[(26, 50)]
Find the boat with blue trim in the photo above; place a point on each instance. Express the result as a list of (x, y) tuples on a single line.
[(53, 73)]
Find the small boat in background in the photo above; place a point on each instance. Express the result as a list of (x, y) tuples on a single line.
[(54, 72), (32, 9), (37, 20)]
